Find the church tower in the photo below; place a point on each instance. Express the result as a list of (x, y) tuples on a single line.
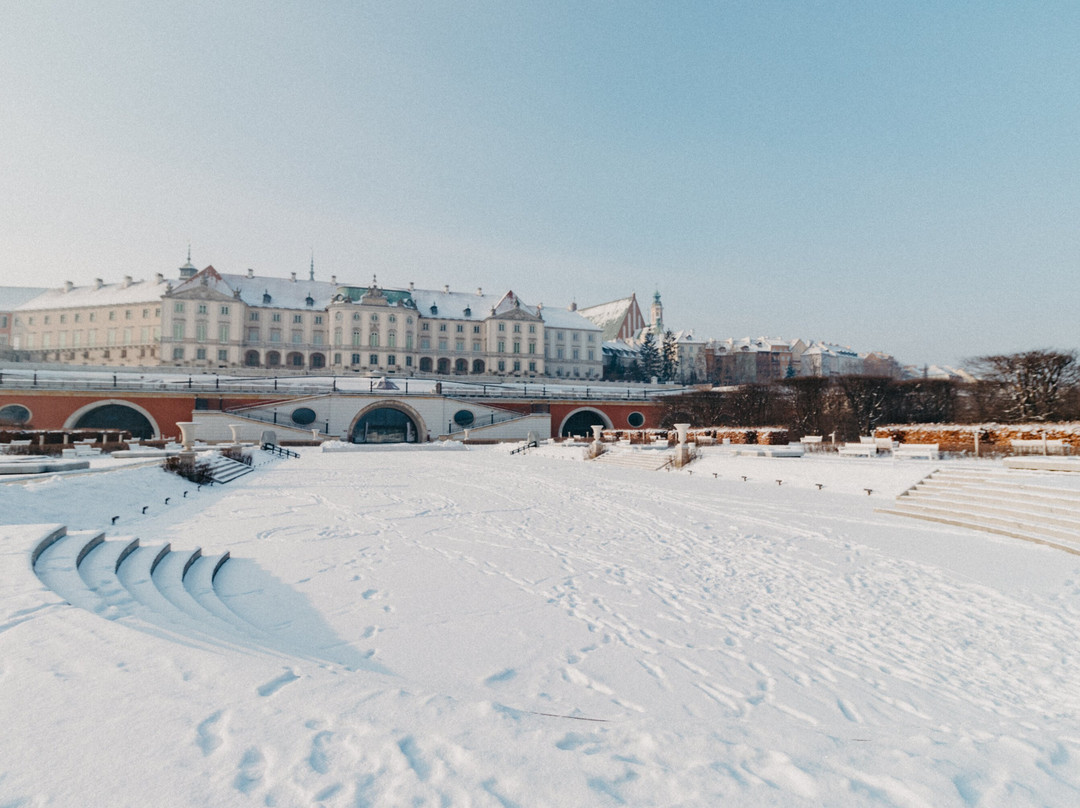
[(656, 315)]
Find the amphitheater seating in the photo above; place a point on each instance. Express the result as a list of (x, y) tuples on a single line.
[(1008, 503), (647, 459)]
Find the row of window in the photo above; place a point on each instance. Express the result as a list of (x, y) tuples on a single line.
[(76, 317), (89, 339)]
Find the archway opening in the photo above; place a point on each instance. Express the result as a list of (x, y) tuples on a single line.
[(478, 366), (385, 425), (425, 364), (444, 366), (581, 423), (461, 366), (251, 359), (318, 360), (117, 416), (273, 359)]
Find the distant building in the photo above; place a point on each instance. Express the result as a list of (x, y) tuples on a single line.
[(11, 297), (101, 324), (826, 359), (620, 319)]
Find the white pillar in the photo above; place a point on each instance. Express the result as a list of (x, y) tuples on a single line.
[(597, 430), (235, 429), (187, 434), (314, 434), (682, 430)]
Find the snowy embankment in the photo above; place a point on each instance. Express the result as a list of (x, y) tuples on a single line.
[(476, 628)]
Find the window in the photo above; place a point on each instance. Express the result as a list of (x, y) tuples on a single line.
[(200, 332), (559, 336), (178, 353), (373, 359), (317, 337), (356, 315), (318, 319), (373, 339), (501, 347), (253, 335), (337, 340), (356, 359), (517, 364), (576, 354), (223, 332), (275, 318), (92, 313), (476, 329), (393, 318), (63, 318), (157, 312), (517, 347), (442, 343), (297, 337), (356, 338), (408, 361), (391, 360), (177, 330), (298, 318), (253, 316), (442, 326), (460, 328), (592, 337), (179, 309), (127, 314), (532, 347), (559, 353), (223, 355), (476, 347), (78, 317), (532, 367), (200, 353), (374, 318), (592, 355), (225, 310), (425, 343), (145, 313), (275, 335), (423, 326), (532, 329), (502, 365), (575, 336), (202, 308), (459, 345), (517, 328), (144, 335), (408, 342), (502, 326)]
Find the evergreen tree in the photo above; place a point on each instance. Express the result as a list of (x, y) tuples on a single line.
[(648, 358), (669, 357)]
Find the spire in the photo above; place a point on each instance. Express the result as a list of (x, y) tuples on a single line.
[(311, 276), (188, 269)]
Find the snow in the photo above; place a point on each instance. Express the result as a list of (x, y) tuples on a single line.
[(476, 628)]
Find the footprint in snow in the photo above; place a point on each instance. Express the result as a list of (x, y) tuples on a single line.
[(207, 736), (274, 685), (250, 771)]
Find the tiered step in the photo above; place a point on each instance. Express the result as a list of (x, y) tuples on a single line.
[(997, 502), (650, 459), (225, 470)]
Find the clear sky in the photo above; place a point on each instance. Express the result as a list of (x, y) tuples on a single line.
[(898, 176)]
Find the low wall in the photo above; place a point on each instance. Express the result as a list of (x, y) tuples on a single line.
[(994, 439)]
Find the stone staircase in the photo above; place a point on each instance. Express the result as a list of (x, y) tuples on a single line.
[(650, 459), (1007, 503), (225, 470)]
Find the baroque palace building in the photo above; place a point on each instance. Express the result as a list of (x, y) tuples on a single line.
[(215, 321)]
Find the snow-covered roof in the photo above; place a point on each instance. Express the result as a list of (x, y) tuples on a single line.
[(11, 297), (609, 316), (284, 293), (127, 292), (452, 305), (564, 318)]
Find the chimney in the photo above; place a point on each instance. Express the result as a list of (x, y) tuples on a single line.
[(573, 306), (68, 286), (251, 272), (479, 292), (159, 278), (539, 306), (98, 283), (411, 286), (446, 288), (126, 283), (293, 278), (333, 280)]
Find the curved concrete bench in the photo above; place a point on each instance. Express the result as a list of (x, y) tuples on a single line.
[(199, 582), (98, 570), (56, 564)]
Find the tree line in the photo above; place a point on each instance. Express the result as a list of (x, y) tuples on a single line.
[(1032, 386)]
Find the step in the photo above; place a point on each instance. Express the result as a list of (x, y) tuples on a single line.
[(225, 470), (98, 570), (1067, 513), (57, 566), (1006, 485), (1001, 508), (960, 522), (642, 460), (199, 582), (974, 518)]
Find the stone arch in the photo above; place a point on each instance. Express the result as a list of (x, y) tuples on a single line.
[(114, 413), (390, 404), (461, 366), (579, 421), (318, 360), (443, 366), (425, 364), (251, 359), (273, 359), (478, 366), (295, 360)]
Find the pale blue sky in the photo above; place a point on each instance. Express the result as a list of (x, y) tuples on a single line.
[(893, 176)]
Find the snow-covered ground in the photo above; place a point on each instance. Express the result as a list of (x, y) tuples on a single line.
[(475, 628)]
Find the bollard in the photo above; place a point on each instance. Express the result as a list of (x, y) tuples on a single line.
[(144, 507), (819, 486), (166, 500), (185, 495), (114, 519)]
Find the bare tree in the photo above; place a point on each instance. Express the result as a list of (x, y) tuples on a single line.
[(1034, 383), (868, 399), (806, 402)]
